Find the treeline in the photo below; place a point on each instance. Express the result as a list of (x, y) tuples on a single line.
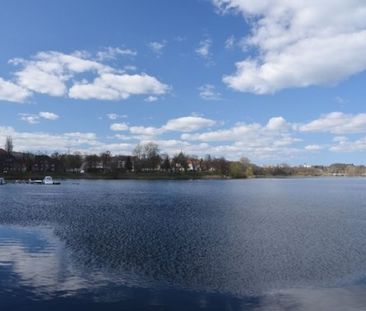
[(147, 160)]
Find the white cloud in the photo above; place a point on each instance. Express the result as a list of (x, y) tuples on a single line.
[(51, 73), (111, 86), (278, 124), (35, 118), (63, 142), (271, 140), (208, 92), (119, 127), (151, 99), (188, 124), (313, 147), (110, 53), (230, 42), (145, 131), (343, 144), (12, 92), (204, 47), (130, 68), (157, 47), (48, 72), (29, 118), (48, 115), (183, 125), (112, 116), (337, 123), (299, 43)]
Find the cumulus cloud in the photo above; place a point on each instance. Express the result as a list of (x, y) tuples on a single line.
[(48, 115), (110, 86), (208, 92), (12, 92), (278, 124), (48, 72), (52, 73), (337, 123), (299, 43), (188, 124)]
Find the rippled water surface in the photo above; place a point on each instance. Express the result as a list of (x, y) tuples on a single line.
[(270, 244)]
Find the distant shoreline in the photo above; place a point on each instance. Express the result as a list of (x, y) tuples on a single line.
[(154, 176)]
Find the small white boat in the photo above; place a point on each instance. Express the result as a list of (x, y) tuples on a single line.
[(2, 181), (47, 180)]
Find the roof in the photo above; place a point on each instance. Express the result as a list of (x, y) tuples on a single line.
[(3, 152)]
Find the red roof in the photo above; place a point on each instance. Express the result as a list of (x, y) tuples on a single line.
[(3, 152)]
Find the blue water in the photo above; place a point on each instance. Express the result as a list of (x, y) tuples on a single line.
[(264, 244)]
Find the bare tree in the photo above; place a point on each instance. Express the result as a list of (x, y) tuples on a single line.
[(9, 144)]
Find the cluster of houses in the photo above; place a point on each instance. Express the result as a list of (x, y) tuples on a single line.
[(18, 162)]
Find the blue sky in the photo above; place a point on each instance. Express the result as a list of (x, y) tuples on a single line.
[(270, 80)]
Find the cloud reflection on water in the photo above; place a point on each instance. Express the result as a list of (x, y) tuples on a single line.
[(35, 259)]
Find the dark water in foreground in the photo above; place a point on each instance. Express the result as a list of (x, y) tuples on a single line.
[(271, 244)]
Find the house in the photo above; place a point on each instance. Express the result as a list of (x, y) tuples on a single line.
[(10, 163), (43, 163)]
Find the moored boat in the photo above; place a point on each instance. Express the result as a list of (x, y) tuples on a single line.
[(49, 181), (2, 181)]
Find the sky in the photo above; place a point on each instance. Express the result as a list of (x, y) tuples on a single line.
[(275, 81)]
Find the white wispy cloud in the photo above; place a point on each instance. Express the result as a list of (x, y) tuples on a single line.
[(35, 118), (182, 124), (337, 123), (157, 47), (29, 118), (344, 144), (115, 116), (204, 47), (151, 99), (119, 127), (299, 43), (314, 147), (110, 53), (230, 42), (208, 92)]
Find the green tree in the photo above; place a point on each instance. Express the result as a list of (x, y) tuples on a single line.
[(166, 164), (180, 161)]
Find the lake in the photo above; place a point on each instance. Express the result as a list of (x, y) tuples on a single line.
[(259, 244)]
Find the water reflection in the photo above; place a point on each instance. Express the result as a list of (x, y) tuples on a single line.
[(36, 271), (133, 246), (38, 261)]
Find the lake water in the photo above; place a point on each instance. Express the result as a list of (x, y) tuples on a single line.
[(262, 244)]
